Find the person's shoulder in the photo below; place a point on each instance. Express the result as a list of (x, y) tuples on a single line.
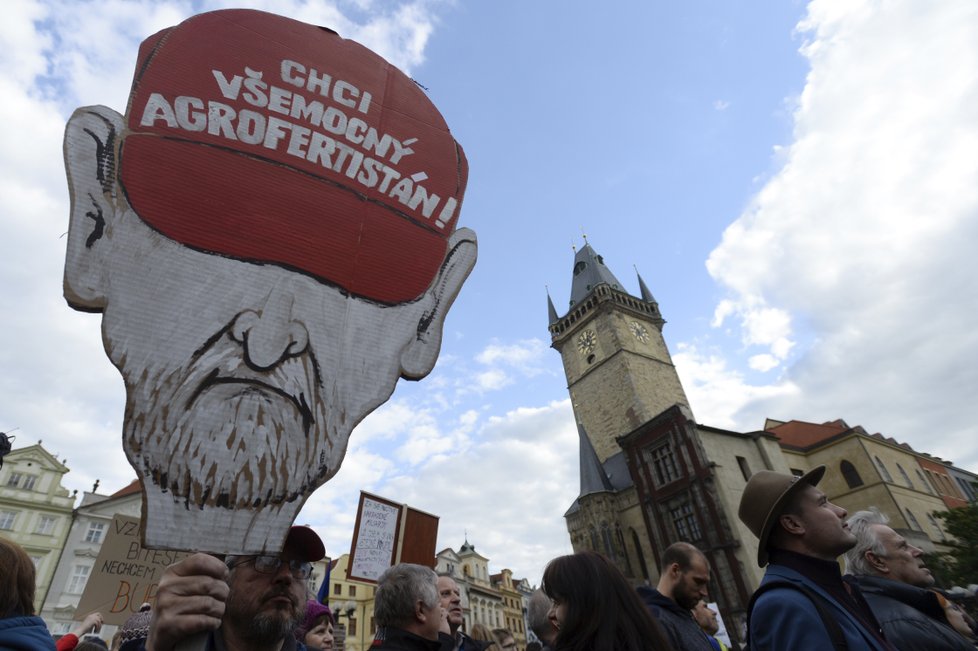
[(781, 593)]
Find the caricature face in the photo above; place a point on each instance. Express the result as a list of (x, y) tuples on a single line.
[(230, 356), (243, 381)]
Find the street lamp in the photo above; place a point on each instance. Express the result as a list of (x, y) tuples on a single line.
[(346, 609)]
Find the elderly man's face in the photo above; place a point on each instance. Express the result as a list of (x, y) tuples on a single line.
[(903, 561), (450, 598)]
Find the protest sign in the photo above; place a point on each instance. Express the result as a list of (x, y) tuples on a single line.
[(387, 533), (125, 574), (270, 236)]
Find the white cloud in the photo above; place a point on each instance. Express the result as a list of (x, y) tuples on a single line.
[(763, 363), (492, 380), (508, 489), (866, 232), (721, 105), (716, 392)]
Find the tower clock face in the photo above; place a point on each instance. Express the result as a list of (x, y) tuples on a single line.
[(640, 331), (586, 341)]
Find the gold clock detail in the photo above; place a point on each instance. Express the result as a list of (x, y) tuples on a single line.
[(640, 331), (586, 342)]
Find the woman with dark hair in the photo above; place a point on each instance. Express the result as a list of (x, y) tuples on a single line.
[(595, 608), (19, 627)]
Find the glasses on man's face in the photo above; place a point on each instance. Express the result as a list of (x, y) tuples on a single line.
[(271, 564)]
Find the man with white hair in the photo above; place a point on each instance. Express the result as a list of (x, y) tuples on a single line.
[(407, 610), (895, 581)]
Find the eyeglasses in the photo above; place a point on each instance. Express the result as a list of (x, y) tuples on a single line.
[(271, 564)]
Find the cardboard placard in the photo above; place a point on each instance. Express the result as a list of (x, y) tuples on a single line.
[(125, 575), (387, 533), (270, 236)]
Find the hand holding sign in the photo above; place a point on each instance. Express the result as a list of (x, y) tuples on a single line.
[(191, 600)]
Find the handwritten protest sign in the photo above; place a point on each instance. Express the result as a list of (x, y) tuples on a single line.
[(387, 533), (125, 574)]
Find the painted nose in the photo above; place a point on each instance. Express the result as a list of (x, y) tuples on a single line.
[(270, 334)]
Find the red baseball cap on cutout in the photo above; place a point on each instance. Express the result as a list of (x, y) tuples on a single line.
[(265, 139)]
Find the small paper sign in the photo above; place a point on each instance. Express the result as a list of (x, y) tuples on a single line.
[(387, 533)]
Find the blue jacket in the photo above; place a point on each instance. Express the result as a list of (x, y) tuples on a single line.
[(25, 634), (785, 619)]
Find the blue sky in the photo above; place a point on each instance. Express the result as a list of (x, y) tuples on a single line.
[(795, 183)]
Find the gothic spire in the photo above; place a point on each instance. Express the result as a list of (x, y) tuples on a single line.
[(593, 477), (589, 272), (646, 294), (551, 310)]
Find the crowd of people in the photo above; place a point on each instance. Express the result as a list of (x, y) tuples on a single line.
[(886, 600)]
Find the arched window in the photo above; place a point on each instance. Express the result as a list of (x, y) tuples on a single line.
[(906, 477), (620, 539), (609, 549), (923, 480), (883, 471), (912, 521), (641, 556), (850, 474)]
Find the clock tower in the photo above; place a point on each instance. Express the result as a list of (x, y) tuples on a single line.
[(619, 372)]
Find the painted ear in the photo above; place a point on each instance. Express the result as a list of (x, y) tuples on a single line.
[(90, 146), (420, 355)]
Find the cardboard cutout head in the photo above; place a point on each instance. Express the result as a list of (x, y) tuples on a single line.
[(270, 236)]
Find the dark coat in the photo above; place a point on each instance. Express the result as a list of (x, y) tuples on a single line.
[(25, 633), (912, 618), (683, 631), (785, 620), (389, 638)]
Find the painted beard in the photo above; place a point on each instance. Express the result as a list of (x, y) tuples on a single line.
[(220, 433)]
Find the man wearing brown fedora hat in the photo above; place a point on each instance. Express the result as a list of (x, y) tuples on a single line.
[(803, 604)]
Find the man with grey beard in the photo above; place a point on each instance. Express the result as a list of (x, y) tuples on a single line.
[(246, 603)]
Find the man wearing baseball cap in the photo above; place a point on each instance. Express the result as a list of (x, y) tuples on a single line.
[(803, 604), (270, 236), (251, 602)]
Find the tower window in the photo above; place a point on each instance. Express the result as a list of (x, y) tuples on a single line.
[(579, 268), (664, 464), (684, 520)]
